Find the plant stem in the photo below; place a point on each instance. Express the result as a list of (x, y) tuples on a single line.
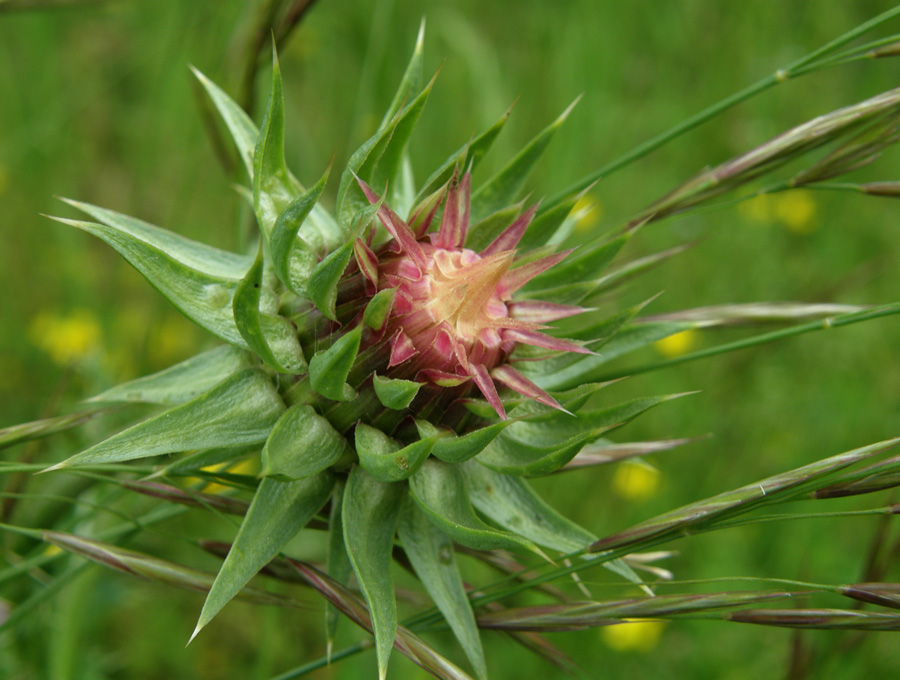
[(832, 322), (325, 660), (795, 69)]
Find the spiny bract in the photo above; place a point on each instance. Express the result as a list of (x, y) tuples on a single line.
[(396, 370)]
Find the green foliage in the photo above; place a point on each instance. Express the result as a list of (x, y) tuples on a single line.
[(279, 510), (183, 381), (324, 278), (301, 444), (395, 393), (328, 369), (431, 553), (386, 459), (503, 187), (369, 515), (432, 463), (438, 490), (240, 410), (273, 338)]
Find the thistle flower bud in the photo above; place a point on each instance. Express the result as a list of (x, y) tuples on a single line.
[(452, 321)]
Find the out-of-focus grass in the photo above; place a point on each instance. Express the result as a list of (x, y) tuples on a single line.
[(96, 104)]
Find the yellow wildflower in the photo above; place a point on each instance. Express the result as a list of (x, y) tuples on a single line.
[(633, 636), (67, 339), (635, 480), (797, 211), (677, 344)]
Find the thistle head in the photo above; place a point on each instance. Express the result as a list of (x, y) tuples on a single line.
[(454, 321), (349, 347)]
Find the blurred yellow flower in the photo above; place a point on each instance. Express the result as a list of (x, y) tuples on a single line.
[(588, 212), (677, 344), (797, 211), (635, 480), (68, 339), (634, 636)]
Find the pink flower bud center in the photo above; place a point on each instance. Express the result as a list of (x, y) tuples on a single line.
[(449, 308)]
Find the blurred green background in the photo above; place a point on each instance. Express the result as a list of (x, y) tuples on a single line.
[(97, 103)]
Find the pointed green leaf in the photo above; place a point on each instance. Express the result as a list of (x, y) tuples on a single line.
[(584, 264), (547, 223), (181, 382), (293, 259), (204, 298), (239, 410), (378, 310), (328, 369), (501, 189), (196, 255), (324, 279), (370, 516), (273, 338), (629, 270), (451, 448), (514, 505), (338, 565), (411, 81), (430, 552), (301, 444), (404, 192), (355, 609), (629, 338), (596, 333), (278, 511), (568, 294), (571, 400), (538, 448), (482, 233), (395, 393), (389, 142), (595, 337), (515, 457), (365, 216), (427, 207), (273, 189), (557, 426), (322, 232), (386, 459), (386, 170), (242, 129), (437, 488), (466, 157)]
